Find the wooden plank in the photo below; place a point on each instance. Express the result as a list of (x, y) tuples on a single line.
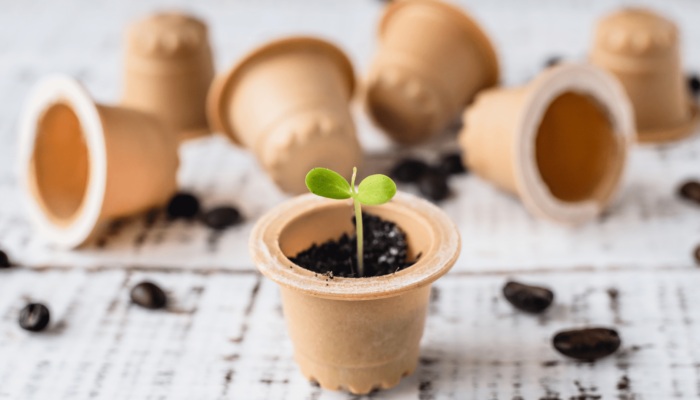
[(647, 226), (224, 337), (100, 344)]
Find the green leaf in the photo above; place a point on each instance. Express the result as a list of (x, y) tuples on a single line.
[(375, 190), (326, 183)]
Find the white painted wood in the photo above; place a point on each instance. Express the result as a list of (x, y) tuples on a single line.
[(648, 225), (224, 337), (475, 345)]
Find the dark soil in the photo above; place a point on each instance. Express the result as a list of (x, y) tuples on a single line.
[(385, 251)]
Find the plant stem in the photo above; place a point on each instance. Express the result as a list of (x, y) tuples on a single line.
[(358, 223)]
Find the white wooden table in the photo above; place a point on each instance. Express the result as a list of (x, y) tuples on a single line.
[(224, 334)]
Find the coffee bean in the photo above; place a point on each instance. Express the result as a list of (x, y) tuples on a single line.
[(148, 295), (528, 298), (183, 205), (552, 61), (587, 344), (4, 260), (222, 217), (451, 164), (694, 84), (696, 253), (409, 170), (34, 317), (433, 185), (690, 190)]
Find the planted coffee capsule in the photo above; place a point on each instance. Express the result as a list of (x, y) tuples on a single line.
[(641, 49), (355, 334), (560, 142), (288, 103), (82, 164), (432, 59), (168, 70)]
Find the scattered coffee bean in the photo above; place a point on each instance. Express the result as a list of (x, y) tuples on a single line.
[(4, 260), (222, 217), (696, 253), (694, 84), (451, 164), (148, 295), (183, 205), (552, 61), (691, 191), (409, 170), (433, 185), (34, 317), (587, 344), (528, 298)]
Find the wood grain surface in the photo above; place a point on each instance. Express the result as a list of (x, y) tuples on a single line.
[(223, 335)]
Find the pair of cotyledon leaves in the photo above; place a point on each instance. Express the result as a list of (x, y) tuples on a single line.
[(372, 191)]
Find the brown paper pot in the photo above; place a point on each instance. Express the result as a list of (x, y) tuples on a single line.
[(168, 71), (348, 333), (560, 143), (288, 102), (432, 60), (82, 163), (641, 49)]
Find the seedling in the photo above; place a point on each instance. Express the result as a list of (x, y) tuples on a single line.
[(372, 191)]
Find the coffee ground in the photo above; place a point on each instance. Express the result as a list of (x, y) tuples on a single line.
[(385, 251)]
